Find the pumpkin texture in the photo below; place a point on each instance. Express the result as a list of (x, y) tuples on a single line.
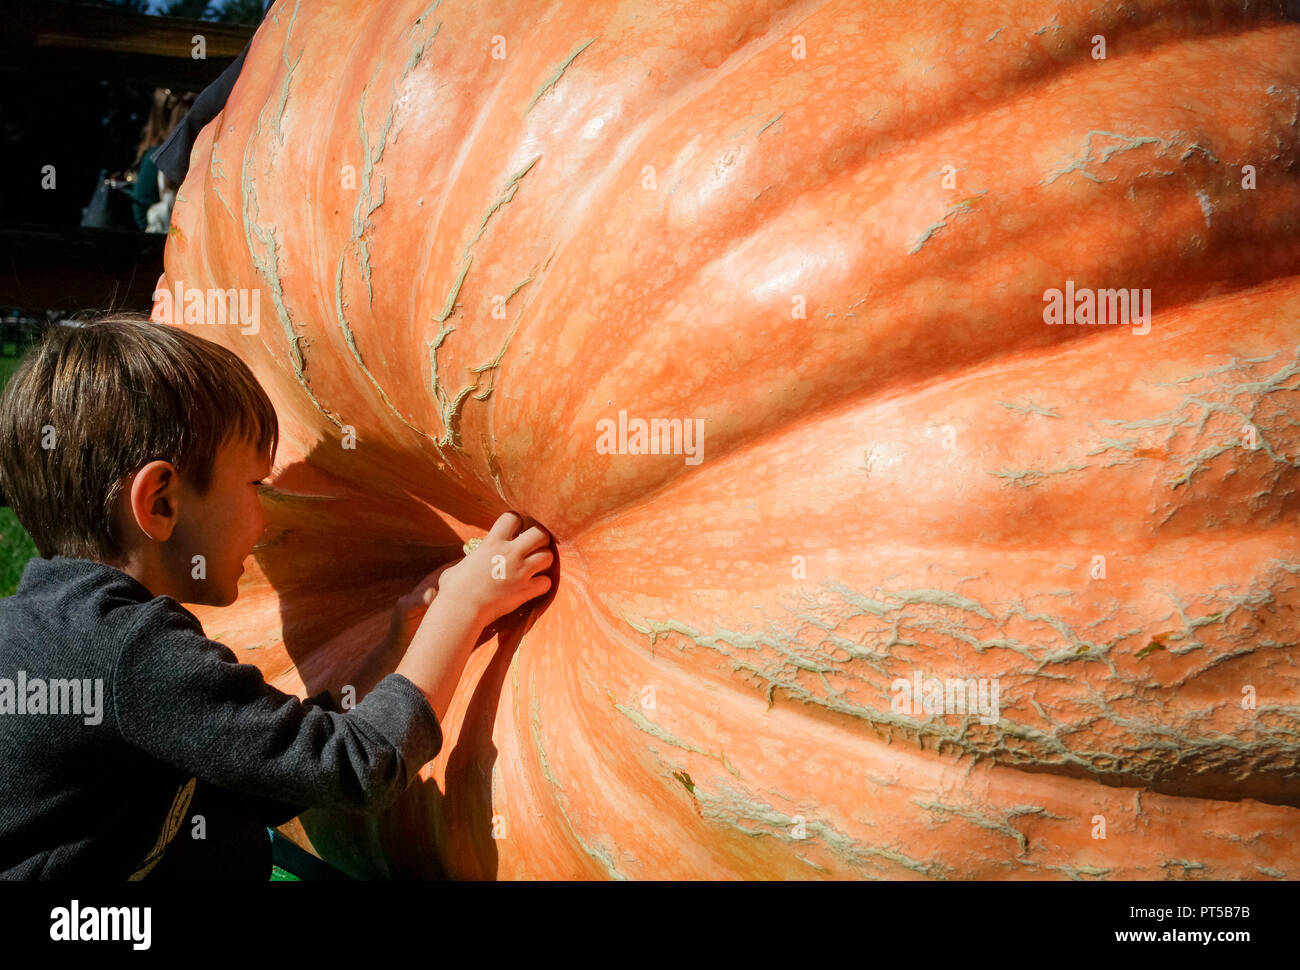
[(487, 240)]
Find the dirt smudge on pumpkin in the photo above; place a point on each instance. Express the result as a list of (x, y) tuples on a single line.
[(689, 785), (1157, 643)]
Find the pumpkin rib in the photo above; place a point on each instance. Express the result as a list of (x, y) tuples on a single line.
[(1042, 357), (359, 223), (610, 630), (597, 561), (725, 802), (886, 353)]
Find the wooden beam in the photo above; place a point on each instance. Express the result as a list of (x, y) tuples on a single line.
[(103, 42)]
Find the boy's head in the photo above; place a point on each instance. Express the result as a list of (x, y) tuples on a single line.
[(140, 446)]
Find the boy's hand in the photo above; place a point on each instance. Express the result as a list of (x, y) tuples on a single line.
[(410, 609), (502, 572)]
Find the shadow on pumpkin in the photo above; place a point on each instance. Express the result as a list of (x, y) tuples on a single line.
[(338, 555)]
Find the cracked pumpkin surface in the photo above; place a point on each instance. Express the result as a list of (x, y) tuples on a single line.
[(466, 263)]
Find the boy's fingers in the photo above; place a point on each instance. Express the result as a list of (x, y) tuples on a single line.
[(539, 560), (505, 526), (533, 538)]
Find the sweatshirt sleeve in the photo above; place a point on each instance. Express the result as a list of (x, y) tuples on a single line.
[(187, 701), (270, 811)]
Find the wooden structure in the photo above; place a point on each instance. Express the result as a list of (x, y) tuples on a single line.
[(67, 267), (104, 42)]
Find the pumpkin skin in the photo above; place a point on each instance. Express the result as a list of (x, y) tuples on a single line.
[(917, 475)]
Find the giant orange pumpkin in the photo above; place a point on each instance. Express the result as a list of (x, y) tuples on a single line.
[(825, 234)]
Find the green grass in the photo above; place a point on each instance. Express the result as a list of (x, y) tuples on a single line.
[(7, 366), (16, 547)]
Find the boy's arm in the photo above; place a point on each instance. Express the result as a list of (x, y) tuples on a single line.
[(184, 699), (439, 636), (273, 811)]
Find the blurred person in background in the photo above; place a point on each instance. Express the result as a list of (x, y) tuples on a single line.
[(154, 192)]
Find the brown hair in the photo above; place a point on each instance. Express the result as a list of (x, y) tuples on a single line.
[(114, 394), (166, 111)]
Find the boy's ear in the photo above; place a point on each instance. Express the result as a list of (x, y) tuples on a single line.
[(151, 500)]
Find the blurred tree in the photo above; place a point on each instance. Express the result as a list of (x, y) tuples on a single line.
[(135, 6), (223, 11), (188, 9), (242, 12)]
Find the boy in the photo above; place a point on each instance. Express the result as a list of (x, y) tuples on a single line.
[(127, 449)]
